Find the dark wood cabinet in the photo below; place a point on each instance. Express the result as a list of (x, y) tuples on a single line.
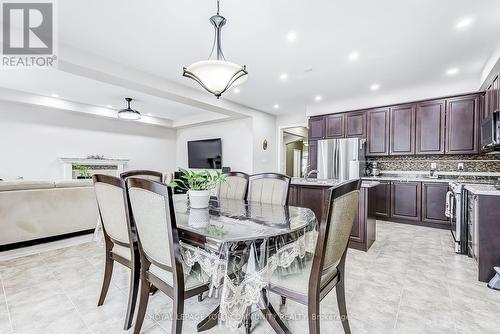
[(292, 195), (434, 202), (314, 198), (382, 199), (316, 128), (355, 124), (406, 200), (402, 129), (430, 127), (462, 125), (378, 132), (334, 126), (313, 156)]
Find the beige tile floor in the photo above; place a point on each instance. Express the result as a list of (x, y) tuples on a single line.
[(409, 282)]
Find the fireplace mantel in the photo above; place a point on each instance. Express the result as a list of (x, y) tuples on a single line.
[(67, 163)]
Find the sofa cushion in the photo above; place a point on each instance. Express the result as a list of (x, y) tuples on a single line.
[(74, 183), (25, 185)]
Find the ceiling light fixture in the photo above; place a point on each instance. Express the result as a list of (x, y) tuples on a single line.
[(109, 106), (353, 56), (284, 76), (452, 71), (464, 23), (216, 75), (54, 95), (236, 90), (318, 98), (276, 106), (291, 36), (375, 87), (129, 113)]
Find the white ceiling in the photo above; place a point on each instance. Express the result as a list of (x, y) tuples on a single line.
[(401, 44)]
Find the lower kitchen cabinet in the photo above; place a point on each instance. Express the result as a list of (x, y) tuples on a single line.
[(406, 200), (383, 199), (434, 202)]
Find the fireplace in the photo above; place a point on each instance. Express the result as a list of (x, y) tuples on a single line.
[(112, 167)]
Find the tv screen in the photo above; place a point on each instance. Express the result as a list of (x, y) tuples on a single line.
[(205, 153)]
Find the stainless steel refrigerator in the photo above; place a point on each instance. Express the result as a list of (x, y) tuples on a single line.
[(341, 159)]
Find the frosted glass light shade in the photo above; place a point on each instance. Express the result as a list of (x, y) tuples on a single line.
[(216, 76), (129, 114)]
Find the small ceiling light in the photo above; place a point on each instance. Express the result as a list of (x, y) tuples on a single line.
[(291, 36), (452, 71), (375, 87), (353, 56), (236, 90), (109, 106), (318, 98), (276, 106), (150, 114), (284, 76), (129, 113), (216, 75), (54, 95), (464, 23)]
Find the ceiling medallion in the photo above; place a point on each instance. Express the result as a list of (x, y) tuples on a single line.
[(216, 75), (129, 113)]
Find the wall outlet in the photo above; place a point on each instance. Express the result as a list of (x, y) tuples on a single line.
[(433, 165), (460, 166)]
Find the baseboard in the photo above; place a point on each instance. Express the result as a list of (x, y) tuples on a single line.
[(33, 242), (415, 222)]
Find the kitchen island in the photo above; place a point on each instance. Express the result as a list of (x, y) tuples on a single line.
[(313, 194)]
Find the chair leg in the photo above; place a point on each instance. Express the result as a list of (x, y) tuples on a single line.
[(313, 315), (132, 295), (108, 272), (177, 312), (283, 300), (200, 297), (340, 289), (143, 305)]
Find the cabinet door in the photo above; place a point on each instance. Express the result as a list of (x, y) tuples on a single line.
[(383, 199), (430, 127), (462, 125), (355, 124), (359, 225), (334, 126), (313, 198), (313, 156), (378, 132), (487, 102), (402, 130), (316, 128), (406, 200), (434, 202), (292, 195), (496, 94)]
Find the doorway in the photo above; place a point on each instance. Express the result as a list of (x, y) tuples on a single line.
[(295, 150)]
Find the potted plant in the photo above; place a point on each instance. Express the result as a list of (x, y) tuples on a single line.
[(83, 171), (198, 185)]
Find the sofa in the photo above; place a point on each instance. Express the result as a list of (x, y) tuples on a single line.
[(34, 210)]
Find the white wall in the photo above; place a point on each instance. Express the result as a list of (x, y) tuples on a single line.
[(32, 139), (237, 142), (264, 128)]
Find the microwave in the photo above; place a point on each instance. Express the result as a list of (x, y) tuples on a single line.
[(490, 132)]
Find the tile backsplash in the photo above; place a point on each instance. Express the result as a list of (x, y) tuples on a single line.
[(445, 163)]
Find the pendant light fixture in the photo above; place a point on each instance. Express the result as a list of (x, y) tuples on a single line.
[(217, 75), (129, 113)]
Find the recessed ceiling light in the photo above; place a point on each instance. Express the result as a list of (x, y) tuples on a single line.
[(375, 87), (353, 56), (276, 106), (284, 76), (452, 71), (109, 106), (150, 114), (464, 23), (54, 95), (318, 98), (236, 90), (291, 36)]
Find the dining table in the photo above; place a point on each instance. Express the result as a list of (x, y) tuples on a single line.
[(236, 246)]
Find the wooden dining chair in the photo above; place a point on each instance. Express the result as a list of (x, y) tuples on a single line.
[(327, 268), (120, 242), (234, 186), (271, 188), (158, 239), (143, 174)]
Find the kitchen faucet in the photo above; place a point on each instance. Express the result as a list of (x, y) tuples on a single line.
[(311, 172)]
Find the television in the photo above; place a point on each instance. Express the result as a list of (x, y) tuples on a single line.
[(205, 153)]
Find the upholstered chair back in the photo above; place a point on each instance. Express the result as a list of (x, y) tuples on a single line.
[(112, 202), (343, 212), (152, 216), (268, 188), (143, 174), (234, 187)]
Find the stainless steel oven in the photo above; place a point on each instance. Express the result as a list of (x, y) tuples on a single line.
[(456, 215)]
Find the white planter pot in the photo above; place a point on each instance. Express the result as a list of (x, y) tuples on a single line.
[(199, 199), (199, 218)]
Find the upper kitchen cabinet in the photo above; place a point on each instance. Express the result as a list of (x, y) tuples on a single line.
[(430, 127), (355, 124), (402, 128), (378, 132), (334, 126), (462, 125), (316, 128)]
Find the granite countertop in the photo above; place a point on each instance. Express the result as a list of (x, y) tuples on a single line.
[(483, 189), (330, 182), (418, 178)]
